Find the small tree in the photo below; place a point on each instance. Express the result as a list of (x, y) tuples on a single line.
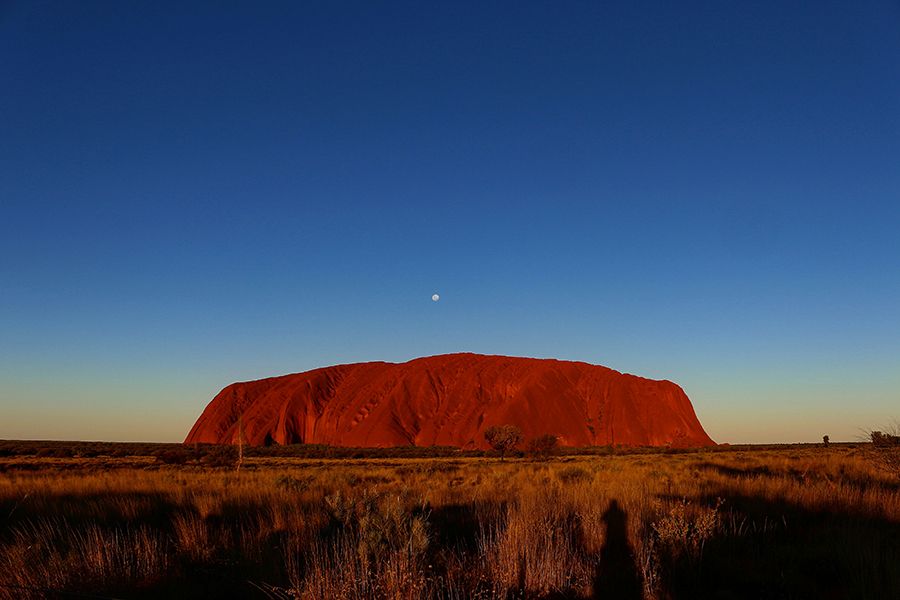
[(825, 440), (544, 446), (240, 444), (503, 438)]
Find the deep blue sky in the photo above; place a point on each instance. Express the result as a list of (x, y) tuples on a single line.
[(707, 192)]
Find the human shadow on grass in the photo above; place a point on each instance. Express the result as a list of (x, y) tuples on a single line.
[(617, 574)]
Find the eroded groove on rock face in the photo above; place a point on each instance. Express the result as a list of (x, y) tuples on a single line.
[(450, 400)]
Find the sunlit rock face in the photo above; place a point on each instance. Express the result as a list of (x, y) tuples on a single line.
[(450, 400)]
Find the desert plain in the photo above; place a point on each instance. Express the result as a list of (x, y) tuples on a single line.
[(106, 520)]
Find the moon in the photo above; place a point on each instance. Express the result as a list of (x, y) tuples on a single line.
[(435, 297)]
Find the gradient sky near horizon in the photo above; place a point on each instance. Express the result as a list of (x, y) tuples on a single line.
[(195, 193)]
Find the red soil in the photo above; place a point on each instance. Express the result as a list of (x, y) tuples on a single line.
[(450, 400)]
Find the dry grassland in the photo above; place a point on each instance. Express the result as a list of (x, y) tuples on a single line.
[(791, 523)]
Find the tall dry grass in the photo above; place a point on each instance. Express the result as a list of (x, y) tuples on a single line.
[(739, 524)]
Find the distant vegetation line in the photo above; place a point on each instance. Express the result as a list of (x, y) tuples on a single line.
[(74, 449)]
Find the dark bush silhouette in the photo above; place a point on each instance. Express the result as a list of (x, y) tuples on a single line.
[(886, 450), (543, 447), (221, 456), (55, 452), (884, 440), (173, 456)]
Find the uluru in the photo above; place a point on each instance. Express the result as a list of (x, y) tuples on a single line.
[(449, 400)]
